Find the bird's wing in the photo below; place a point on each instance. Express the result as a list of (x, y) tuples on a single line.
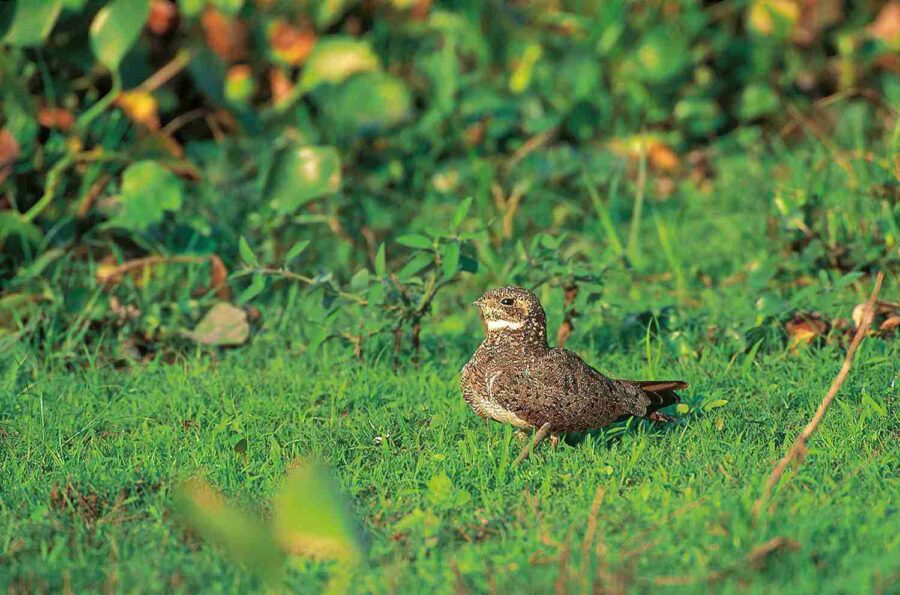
[(560, 388)]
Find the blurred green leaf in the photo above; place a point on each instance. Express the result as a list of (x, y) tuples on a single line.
[(450, 259), (460, 214), (148, 191), (414, 240), (419, 262), (295, 251), (369, 102), (757, 100), (116, 28), (312, 517), (243, 536), (247, 254), (335, 59), (257, 285), (32, 21), (330, 11), (11, 225), (229, 7), (380, 261), (302, 174)]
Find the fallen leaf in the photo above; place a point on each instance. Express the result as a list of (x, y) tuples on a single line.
[(223, 325), (9, 153), (56, 118), (291, 45), (279, 84), (218, 278), (886, 25), (163, 16), (225, 36), (805, 327)]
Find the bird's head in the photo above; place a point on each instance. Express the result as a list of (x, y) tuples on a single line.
[(509, 311)]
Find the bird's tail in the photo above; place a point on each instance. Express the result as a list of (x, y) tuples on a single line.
[(661, 392)]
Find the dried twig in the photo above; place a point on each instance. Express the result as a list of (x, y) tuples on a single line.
[(589, 535), (538, 436), (798, 449)]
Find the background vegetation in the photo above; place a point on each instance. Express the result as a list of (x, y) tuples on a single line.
[(296, 201)]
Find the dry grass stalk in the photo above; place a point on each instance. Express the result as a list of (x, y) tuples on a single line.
[(798, 449)]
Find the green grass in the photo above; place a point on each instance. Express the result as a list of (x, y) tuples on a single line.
[(91, 457)]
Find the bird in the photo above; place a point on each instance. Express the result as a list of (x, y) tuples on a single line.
[(516, 378)]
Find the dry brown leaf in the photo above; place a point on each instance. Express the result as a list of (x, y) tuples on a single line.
[(9, 153), (291, 45), (225, 36), (223, 325), (218, 278), (805, 327), (886, 25), (279, 84), (56, 118), (892, 323), (163, 16)]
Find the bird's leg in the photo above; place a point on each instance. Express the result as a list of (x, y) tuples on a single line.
[(538, 436), (660, 417), (554, 439)]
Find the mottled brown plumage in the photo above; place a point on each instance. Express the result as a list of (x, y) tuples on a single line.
[(515, 377)]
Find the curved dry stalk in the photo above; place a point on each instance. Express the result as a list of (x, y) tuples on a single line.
[(798, 449)]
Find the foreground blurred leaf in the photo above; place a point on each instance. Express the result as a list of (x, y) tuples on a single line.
[(240, 534), (223, 325), (148, 191), (115, 29), (313, 519), (335, 59), (32, 22), (300, 175)]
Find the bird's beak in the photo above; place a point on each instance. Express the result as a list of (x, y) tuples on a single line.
[(478, 303)]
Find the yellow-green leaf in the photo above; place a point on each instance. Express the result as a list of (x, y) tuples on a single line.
[(302, 174), (335, 59), (116, 28)]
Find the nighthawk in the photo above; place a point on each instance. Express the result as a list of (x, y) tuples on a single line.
[(514, 377)]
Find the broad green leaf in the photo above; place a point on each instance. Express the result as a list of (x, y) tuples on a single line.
[(240, 534), (380, 261), (256, 287), (414, 240), (116, 28), (369, 102), (222, 325), (32, 22), (295, 251), (302, 174), (450, 259), (148, 191), (312, 517), (461, 211), (335, 59), (246, 252)]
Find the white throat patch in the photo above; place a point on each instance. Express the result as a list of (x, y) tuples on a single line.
[(494, 325)]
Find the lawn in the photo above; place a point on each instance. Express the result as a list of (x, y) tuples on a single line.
[(92, 457), (240, 241)]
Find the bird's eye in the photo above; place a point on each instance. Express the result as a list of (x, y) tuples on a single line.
[(507, 301)]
